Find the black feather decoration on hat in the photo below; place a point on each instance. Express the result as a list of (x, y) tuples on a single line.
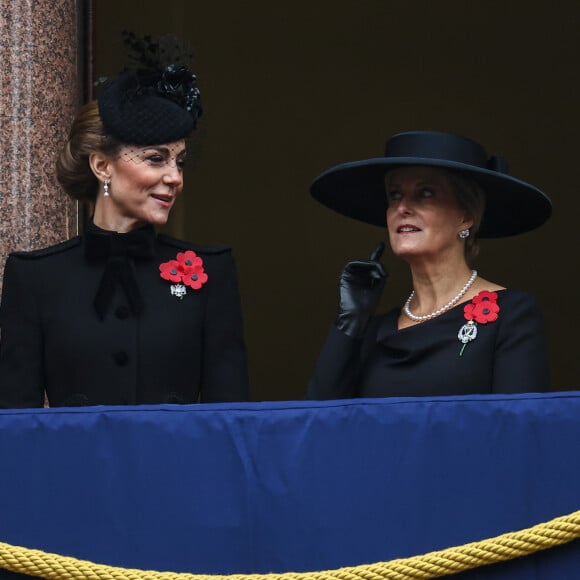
[(155, 52), (155, 99), (162, 65)]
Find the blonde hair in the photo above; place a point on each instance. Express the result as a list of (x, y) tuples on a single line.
[(471, 197), (86, 136)]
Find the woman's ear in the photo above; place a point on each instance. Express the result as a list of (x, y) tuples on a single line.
[(467, 222), (99, 164)]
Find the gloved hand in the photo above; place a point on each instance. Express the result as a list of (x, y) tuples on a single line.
[(361, 284)]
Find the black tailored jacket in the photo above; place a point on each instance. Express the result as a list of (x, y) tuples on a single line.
[(171, 350)]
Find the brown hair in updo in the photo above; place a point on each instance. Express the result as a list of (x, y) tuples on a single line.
[(86, 136)]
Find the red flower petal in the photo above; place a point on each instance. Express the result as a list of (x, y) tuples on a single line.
[(196, 279), (485, 311), (189, 259), (170, 271), (485, 295), (468, 311)]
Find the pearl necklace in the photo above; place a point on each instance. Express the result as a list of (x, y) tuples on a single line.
[(441, 310)]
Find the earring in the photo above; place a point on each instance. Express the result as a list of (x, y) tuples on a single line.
[(464, 234), (106, 187)]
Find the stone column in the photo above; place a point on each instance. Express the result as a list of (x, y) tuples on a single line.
[(39, 94)]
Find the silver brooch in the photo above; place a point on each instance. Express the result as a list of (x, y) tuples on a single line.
[(178, 290), (467, 333)]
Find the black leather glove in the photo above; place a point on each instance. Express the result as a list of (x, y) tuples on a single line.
[(361, 284)]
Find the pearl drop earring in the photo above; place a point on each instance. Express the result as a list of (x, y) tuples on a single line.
[(106, 187)]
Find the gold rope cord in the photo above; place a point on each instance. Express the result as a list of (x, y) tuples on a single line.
[(508, 546)]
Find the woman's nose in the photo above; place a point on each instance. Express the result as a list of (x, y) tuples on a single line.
[(404, 205), (173, 174)]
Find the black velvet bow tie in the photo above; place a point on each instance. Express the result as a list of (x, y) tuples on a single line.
[(118, 252), (101, 244)]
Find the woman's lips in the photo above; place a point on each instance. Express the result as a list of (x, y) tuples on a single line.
[(407, 229), (163, 199)]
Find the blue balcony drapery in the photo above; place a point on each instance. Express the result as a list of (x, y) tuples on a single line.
[(291, 486)]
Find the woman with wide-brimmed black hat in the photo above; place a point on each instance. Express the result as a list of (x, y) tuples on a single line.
[(457, 333), (121, 315)]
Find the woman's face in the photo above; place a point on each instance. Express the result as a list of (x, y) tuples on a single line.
[(144, 183), (423, 216)]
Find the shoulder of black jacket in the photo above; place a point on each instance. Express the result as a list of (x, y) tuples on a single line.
[(48, 251), (199, 249)]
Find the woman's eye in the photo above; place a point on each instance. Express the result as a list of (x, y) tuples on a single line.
[(181, 163), (427, 193), (393, 196), (155, 159)]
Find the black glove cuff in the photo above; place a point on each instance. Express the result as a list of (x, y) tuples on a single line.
[(353, 326)]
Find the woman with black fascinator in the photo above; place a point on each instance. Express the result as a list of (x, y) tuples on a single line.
[(120, 314)]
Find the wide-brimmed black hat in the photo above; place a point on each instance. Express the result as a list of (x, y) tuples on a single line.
[(357, 189), (157, 101)]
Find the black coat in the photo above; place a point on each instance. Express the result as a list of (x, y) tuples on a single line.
[(150, 348), (509, 355)]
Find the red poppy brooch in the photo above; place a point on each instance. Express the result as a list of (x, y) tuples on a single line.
[(185, 271), (483, 309)]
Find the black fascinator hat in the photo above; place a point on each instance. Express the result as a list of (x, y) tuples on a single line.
[(357, 189), (155, 99)]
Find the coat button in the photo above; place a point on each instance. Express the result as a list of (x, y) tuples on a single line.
[(122, 312), (121, 358)]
